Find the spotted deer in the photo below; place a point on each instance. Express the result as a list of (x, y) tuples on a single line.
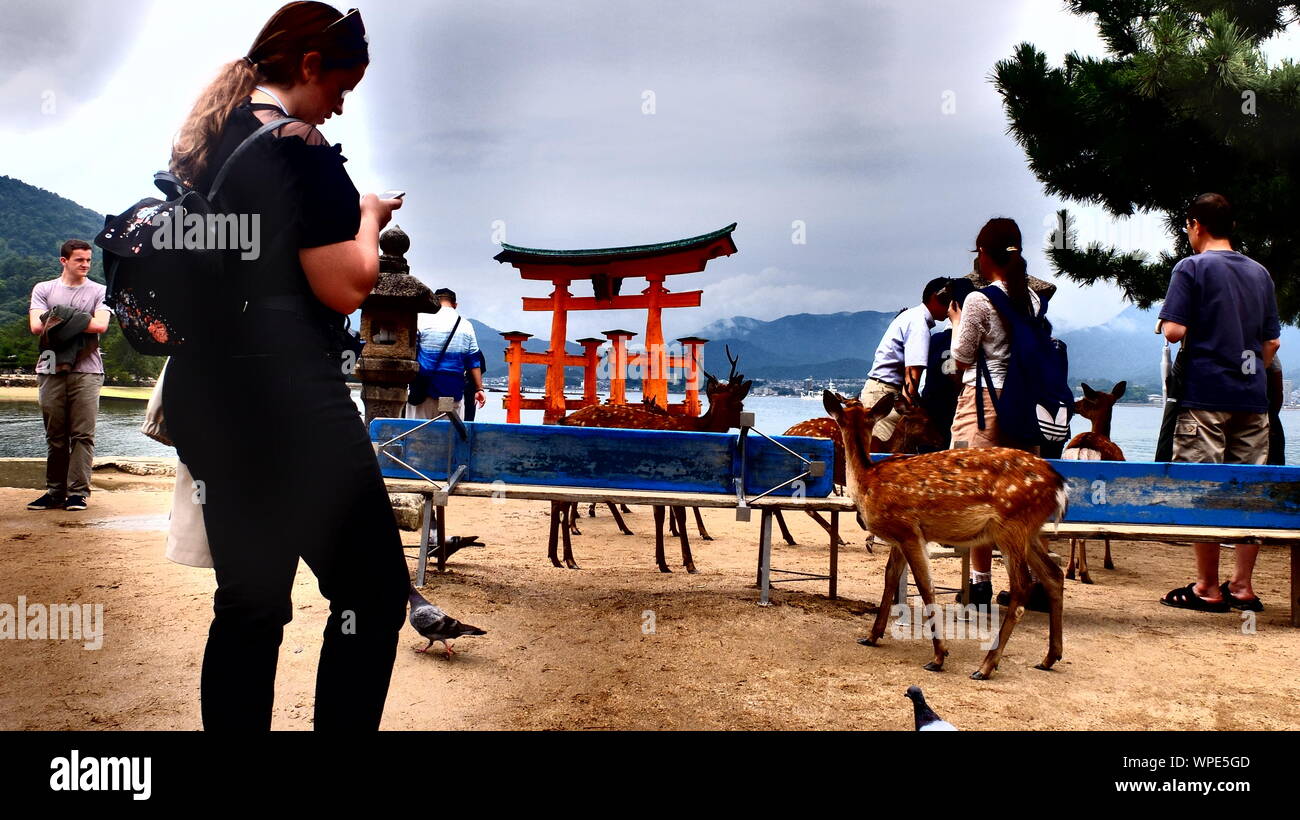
[(726, 401), (1095, 445), (914, 433), (970, 497)]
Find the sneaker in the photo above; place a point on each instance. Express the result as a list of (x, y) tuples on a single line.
[(46, 502), (1038, 600), (75, 502), (981, 594)]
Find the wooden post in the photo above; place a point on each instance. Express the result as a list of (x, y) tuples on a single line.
[(591, 357), (654, 380), (514, 358), (618, 340), (693, 353), (555, 408)]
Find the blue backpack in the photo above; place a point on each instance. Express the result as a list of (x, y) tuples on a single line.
[(1035, 404)]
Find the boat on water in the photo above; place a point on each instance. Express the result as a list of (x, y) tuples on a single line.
[(810, 394)]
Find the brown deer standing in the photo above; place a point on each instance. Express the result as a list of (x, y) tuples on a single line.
[(914, 433), (1096, 445), (970, 497), (726, 401)]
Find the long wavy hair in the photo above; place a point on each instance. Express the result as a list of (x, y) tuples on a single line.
[(1000, 239), (296, 29)]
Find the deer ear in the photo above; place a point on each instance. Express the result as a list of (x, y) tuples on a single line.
[(1088, 392), (881, 408), (1118, 390), (833, 404)]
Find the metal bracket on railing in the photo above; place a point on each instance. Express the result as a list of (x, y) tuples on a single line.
[(816, 469), (446, 408)]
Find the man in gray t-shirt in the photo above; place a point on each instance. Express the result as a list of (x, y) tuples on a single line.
[(69, 397)]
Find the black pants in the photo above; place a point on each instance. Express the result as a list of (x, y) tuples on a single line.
[(284, 468)]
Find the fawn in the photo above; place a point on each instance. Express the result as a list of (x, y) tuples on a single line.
[(726, 401), (973, 498), (1096, 445)]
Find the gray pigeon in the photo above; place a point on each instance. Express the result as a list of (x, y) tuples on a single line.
[(926, 719), (436, 625)]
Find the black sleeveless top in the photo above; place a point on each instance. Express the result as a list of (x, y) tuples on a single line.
[(293, 190)]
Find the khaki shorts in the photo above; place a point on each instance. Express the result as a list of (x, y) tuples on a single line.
[(1221, 437), (966, 430), (872, 392)]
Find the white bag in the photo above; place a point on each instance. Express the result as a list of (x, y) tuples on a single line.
[(187, 538)]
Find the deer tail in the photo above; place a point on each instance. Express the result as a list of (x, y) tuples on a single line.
[(1062, 504)]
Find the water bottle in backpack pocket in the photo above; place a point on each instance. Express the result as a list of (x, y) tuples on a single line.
[(1035, 403)]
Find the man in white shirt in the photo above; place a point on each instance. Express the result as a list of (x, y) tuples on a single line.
[(902, 355)]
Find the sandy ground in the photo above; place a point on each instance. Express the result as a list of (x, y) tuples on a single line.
[(566, 649)]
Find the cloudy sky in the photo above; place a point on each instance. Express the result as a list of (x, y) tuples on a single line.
[(603, 123)]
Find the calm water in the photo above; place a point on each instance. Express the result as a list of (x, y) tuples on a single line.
[(1134, 427)]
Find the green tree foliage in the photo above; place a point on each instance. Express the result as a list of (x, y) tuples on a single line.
[(1183, 104)]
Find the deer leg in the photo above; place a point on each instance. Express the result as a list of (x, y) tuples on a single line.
[(1069, 571), (624, 508), (893, 571), (785, 532), (687, 560), (1013, 556), (659, 539), (919, 562), (699, 525), (1049, 575), (552, 543), (1084, 577), (571, 511), (619, 520), (591, 510), (672, 524), (573, 515), (1107, 563)]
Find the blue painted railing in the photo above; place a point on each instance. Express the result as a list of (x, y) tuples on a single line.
[(554, 455)]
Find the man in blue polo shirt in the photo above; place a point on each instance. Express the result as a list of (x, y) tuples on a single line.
[(448, 347), (1221, 306), (902, 355)]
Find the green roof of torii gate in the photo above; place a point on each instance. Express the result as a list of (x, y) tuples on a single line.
[(591, 256)]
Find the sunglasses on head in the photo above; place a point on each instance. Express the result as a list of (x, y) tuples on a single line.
[(353, 20)]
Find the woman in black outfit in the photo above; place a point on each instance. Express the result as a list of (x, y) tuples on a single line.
[(281, 458)]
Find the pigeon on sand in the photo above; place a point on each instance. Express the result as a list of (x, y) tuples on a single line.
[(926, 719), (436, 625)]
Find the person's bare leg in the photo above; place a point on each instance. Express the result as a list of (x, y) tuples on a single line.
[(1207, 572), (1240, 586)]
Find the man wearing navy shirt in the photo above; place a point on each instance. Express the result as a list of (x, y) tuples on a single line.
[(1221, 306)]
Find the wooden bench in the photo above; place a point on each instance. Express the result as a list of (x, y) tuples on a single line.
[(744, 471)]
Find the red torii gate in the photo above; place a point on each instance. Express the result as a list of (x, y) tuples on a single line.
[(606, 268)]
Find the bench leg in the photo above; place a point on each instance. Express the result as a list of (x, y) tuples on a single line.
[(835, 552), (441, 514), (765, 557), (426, 516), (1295, 585)]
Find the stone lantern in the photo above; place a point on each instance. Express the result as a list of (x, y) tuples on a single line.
[(388, 362)]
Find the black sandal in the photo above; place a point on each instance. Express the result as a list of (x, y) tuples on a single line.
[(1186, 598), (1248, 604)]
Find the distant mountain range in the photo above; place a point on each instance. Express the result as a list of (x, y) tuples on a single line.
[(842, 346)]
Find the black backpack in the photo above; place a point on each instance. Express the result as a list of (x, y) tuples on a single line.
[(168, 299), (1035, 403)]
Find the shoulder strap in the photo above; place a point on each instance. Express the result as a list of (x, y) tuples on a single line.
[(438, 360), (243, 146)]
